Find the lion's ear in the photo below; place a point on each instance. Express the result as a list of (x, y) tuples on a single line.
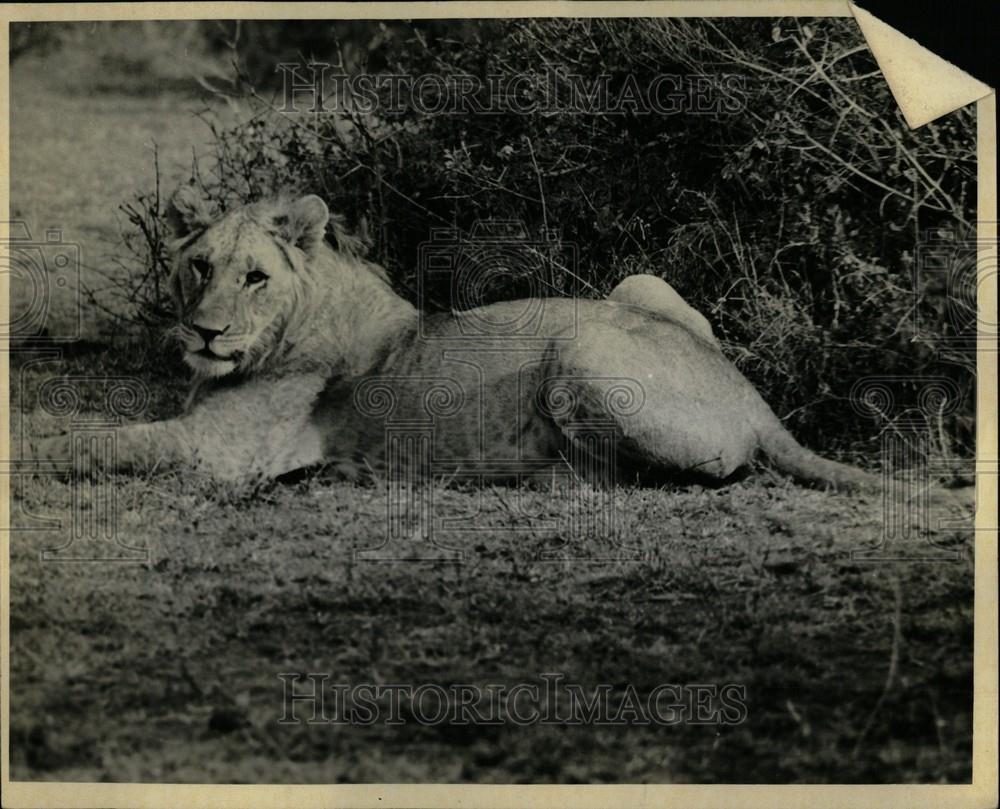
[(303, 223), (344, 241), (188, 211)]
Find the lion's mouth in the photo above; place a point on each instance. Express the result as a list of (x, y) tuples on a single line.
[(208, 354)]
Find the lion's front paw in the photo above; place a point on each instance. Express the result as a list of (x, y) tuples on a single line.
[(48, 455), (65, 455)]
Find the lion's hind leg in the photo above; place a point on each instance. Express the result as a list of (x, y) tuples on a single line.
[(642, 429), (656, 295)]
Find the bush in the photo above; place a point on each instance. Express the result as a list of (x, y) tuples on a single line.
[(789, 212)]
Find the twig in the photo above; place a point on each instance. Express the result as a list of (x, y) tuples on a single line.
[(890, 676), (541, 189)]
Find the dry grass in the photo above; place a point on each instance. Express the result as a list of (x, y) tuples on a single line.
[(167, 670)]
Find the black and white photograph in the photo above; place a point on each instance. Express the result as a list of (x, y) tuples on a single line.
[(532, 400)]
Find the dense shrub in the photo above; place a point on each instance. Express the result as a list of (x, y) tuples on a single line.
[(790, 209)]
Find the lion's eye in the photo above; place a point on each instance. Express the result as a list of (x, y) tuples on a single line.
[(255, 277), (202, 267)]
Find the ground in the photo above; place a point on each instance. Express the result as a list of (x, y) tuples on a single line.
[(166, 667)]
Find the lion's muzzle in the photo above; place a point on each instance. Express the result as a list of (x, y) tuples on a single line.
[(211, 351)]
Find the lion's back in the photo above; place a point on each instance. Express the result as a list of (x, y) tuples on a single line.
[(477, 384)]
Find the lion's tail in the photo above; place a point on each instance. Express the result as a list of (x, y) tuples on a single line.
[(789, 456)]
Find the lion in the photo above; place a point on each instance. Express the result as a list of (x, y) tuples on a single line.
[(303, 355)]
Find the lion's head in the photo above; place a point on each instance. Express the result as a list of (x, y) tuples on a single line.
[(238, 279)]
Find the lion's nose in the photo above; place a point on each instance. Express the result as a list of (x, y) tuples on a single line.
[(208, 334)]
